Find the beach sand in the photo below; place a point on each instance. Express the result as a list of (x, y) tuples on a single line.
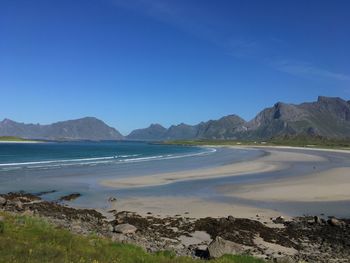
[(193, 207), (329, 185), (21, 142), (275, 160)]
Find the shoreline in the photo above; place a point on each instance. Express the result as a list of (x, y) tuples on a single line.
[(272, 161), (328, 185), (24, 142), (278, 241)]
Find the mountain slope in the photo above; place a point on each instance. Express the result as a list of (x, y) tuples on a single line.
[(181, 131), (328, 117), (88, 128), (225, 128), (153, 132)]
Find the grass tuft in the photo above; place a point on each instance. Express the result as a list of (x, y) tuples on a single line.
[(30, 239)]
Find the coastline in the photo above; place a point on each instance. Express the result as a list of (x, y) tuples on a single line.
[(189, 220), (22, 142), (280, 240), (269, 163), (329, 185)]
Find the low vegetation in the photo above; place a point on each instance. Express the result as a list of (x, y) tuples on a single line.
[(30, 239), (11, 138)]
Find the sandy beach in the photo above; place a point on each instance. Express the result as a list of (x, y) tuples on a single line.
[(324, 186), (193, 207), (24, 142), (332, 185), (272, 162)]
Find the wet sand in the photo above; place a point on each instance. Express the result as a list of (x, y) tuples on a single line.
[(312, 176), (272, 162)]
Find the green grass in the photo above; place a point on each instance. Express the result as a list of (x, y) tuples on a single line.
[(30, 239), (12, 139)]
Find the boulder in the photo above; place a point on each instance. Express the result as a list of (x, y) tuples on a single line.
[(279, 220), (70, 197), (318, 220), (220, 247), (335, 222), (230, 218), (125, 229), (19, 205), (2, 201), (110, 228)]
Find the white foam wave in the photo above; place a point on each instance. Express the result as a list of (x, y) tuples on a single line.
[(97, 160)]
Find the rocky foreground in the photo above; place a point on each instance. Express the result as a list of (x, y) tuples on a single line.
[(310, 239)]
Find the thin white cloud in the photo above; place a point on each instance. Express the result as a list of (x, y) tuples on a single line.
[(305, 69), (188, 19)]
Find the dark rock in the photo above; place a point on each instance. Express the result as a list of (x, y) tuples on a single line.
[(335, 222), (70, 197), (19, 205), (230, 218), (279, 220), (44, 193), (318, 220), (202, 252), (2, 201)]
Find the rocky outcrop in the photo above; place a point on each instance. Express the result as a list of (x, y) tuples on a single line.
[(306, 239)]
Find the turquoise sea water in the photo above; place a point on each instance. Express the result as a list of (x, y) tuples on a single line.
[(49, 155), (64, 168)]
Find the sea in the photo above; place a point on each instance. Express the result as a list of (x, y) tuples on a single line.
[(55, 169), (49, 155)]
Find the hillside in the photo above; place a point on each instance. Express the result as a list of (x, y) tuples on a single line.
[(327, 117), (88, 128)]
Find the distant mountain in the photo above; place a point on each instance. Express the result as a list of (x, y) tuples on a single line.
[(153, 132), (182, 131), (225, 128), (88, 128), (327, 117)]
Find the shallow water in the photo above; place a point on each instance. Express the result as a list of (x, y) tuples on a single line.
[(57, 172), (79, 167)]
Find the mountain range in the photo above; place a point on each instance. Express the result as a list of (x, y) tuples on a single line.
[(327, 117), (88, 128)]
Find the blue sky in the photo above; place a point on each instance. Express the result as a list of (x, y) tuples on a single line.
[(132, 63)]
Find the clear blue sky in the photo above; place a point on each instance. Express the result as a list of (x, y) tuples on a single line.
[(132, 63)]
